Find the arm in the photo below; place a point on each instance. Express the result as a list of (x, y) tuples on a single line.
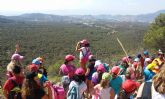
[(49, 95), (17, 48), (5, 93), (60, 72), (112, 94), (139, 94), (78, 47), (87, 72)]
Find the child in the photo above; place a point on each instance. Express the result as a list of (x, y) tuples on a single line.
[(68, 68), (83, 48), (102, 90)]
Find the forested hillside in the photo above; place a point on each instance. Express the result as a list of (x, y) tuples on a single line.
[(54, 40)]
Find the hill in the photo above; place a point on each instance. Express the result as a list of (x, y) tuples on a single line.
[(39, 17)]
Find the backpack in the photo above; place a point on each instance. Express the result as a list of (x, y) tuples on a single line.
[(58, 92), (15, 93), (86, 56), (73, 93)]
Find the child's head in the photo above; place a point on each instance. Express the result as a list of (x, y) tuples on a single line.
[(105, 80), (79, 75), (16, 70), (84, 43), (69, 58)]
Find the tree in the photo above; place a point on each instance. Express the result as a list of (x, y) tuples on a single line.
[(155, 36)]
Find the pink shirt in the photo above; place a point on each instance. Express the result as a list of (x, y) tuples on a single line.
[(68, 70)]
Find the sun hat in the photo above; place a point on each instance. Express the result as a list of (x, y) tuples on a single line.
[(136, 59), (69, 57), (106, 76), (36, 62), (84, 41), (146, 53), (115, 69), (101, 68), (130, 86), (17, 57), (80, 71), (33, 67)]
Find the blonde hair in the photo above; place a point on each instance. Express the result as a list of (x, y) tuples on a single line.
[(159, 81), (104, 83), (10, 66)]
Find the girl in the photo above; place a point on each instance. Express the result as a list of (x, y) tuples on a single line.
[(68, 68), (83, 48), (102, 90), (77, 87), (32, 89)]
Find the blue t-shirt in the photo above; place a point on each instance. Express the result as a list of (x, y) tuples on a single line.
[(116, 84)]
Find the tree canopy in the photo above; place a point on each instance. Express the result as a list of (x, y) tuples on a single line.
[(155, 36)]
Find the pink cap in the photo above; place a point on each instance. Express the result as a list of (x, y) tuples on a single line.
[(80, 71), (69, 57), (125, 59), (17, 57), (84, 41), (115, 69), (101, 68)]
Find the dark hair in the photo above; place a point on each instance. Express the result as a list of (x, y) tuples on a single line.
[(16, 69), (92, 60), (79, 78), (99, 77), (87, 45), (66, 62), (29, 86), (122, 95)]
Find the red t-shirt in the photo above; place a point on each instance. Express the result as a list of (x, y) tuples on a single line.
[(9, 85)]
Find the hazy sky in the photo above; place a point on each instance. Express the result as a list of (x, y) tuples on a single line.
[(64, 7)]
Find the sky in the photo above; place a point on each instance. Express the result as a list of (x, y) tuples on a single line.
[(81, 7)]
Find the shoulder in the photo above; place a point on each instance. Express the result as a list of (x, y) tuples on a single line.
[(8, 85), (97, 86), (119, 78), (63, 66)]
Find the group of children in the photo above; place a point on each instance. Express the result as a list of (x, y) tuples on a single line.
[(93, 79)]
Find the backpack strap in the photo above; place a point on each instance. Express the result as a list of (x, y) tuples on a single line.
[(146, 93), (14, 82), (87, 51)]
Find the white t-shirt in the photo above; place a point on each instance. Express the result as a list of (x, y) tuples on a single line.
[(83, 51), (156, 95), (82, 87), (105, 93)]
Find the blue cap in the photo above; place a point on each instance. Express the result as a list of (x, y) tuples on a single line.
[(146, 53), (36, 61)]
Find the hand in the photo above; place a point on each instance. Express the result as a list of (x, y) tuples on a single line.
[(47, 84)]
